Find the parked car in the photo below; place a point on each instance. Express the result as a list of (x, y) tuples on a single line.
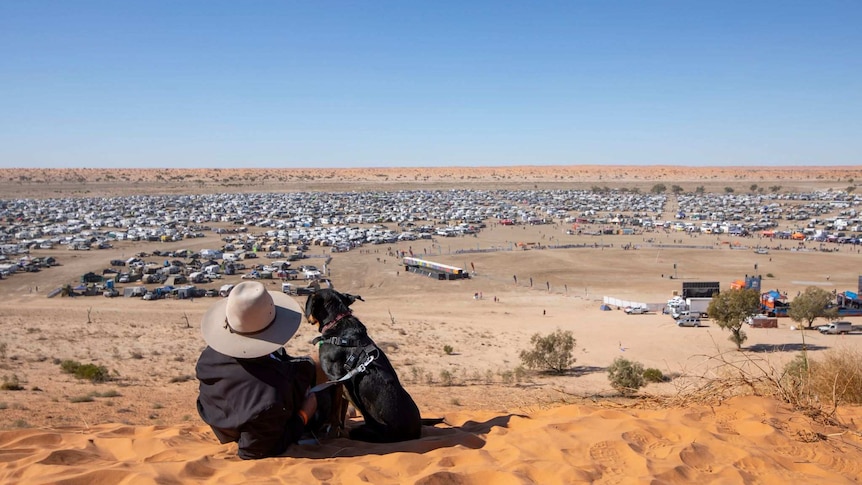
[(635, 310), (688, 322), (685, 314), (308, 290), (225, 290)]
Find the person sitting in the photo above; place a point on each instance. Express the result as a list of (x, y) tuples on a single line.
[(251, 392)]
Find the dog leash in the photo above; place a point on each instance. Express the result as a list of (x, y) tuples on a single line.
[(358, 369)]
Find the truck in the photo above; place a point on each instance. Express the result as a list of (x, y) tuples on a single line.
[(688, 307), (837, 328), (698, 305)]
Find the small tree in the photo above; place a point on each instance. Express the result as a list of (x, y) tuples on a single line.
[(729, 309), (700, 189), (658, 189), (553, 353), (626, 377), (676, 189), (728, 190), (810, 305)]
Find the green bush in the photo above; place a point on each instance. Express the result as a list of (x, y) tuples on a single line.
[(626, 377), (90, 372), (69, 366), (448, 349), (653, 375), (552, 353)]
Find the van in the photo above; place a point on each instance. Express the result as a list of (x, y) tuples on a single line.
[(835, 328), (688, 322)]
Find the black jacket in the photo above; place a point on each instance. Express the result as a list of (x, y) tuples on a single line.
[(253, 401)]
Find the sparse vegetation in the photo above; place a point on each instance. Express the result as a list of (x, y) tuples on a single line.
[(446, 378), (625, 376), (448, 349), (90, 397), (551, 353), (11, 383), (835, 378), (653, 375), (90, 372)]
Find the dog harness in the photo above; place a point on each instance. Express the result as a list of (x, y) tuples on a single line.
[(357, 362)]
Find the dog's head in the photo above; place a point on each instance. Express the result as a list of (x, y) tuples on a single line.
[(326, 304)]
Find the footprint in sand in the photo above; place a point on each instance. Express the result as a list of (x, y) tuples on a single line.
[(648, 444), (608, 459), (322, 474), (809, 454)]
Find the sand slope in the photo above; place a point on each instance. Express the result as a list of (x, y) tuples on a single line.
[(745, 440)]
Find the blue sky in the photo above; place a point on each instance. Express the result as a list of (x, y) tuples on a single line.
[(436, 83)]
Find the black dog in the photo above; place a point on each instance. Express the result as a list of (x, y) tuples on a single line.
[(344, 345)]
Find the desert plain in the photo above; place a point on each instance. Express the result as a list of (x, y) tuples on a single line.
[(502, 424)]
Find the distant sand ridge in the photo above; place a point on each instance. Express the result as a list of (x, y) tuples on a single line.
[(82, 181)]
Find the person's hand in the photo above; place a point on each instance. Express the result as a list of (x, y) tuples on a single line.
[(309, 405)]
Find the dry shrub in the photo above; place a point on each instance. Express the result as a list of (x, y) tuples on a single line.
[(834, 378)]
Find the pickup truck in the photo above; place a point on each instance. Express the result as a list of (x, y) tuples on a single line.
[(836, 328)]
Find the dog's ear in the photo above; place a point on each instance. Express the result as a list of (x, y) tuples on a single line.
[(348, 299), (309, 309)]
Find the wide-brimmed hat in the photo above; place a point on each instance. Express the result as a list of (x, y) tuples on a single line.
[(251, 321)]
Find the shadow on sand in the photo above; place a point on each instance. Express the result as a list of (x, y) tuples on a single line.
[(466, 435), (783, 347)]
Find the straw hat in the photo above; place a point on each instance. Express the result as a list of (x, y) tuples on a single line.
[(251, 321)]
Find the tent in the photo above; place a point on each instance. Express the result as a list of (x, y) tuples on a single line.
[(605, 308)]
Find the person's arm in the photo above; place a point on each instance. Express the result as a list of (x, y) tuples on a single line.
[(269, 434)]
